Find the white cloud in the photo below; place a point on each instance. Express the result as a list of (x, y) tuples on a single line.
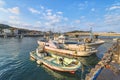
[(14, 22), (77, 21), (14, 10), (48, 10), (90, 24), (112, 19), (42, 7), (83, 5), (65, 18), (34, 11), (49, 13), (2, 3), (38, 24), (52, 20), (3, 10), (14, 17), (59, 12), (93, 9), (114, 7)]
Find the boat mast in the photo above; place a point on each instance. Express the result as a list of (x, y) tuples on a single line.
[(91, 34)]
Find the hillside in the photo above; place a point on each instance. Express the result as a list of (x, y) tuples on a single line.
[(4, 26), (77, 31)]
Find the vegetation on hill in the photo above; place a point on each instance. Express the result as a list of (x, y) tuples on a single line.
[(4, 26), (77, 31)]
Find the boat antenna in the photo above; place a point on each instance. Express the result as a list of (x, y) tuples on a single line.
[(91, 34)]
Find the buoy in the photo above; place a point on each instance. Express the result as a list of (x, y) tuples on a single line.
[(107, 66)]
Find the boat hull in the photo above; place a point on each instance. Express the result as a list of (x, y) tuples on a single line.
[(95, 44), (58, 69), (68, 52)]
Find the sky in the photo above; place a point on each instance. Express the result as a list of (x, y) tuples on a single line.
[(62, 15)]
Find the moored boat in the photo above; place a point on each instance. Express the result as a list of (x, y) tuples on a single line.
[(87, 42), (57, 63), (95, 44), (53, 47)]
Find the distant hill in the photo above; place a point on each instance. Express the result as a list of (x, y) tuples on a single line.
[(4, 26), (77, 31), (21, 30)]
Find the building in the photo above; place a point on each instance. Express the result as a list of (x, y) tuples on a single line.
[(7, 31)]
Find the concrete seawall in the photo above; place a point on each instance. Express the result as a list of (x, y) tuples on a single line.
[(107, 68)]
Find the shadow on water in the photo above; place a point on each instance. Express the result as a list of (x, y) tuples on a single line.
[(60, 75)]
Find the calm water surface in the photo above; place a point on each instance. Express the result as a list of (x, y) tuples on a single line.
[(15, 63)]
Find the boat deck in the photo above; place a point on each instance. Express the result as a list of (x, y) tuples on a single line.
[(49, 58)]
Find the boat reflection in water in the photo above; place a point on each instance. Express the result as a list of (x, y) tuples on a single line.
[(89, 60), (87, 64)]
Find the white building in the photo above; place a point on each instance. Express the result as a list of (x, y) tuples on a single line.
[(7, 31)]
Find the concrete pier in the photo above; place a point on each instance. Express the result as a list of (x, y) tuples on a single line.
[(109, 66)]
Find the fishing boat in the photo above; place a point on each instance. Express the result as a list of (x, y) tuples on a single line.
[(56, 63), (88, 41), (94, 44), (53, 47), (73, 45)]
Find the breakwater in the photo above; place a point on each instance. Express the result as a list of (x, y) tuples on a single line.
[(106, 62)]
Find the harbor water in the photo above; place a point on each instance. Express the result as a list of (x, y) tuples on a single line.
[(15, 63)]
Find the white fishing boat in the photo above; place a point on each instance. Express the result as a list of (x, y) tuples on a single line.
[(53, 47)]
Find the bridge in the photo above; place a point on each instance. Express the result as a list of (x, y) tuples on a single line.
[(95, 33)]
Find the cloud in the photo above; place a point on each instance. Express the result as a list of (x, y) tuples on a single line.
[(2, 3), (48, 10), (3, 10), (14, 17), (34, 11), (83, 5), (42, 7), (114, 7), (15, 23), (90, 24), (51, 18), (14, 10), (19, 24), (110, 22), (59, 12), (65, 19), (77, 21), (93, 9), (112, 19), (38, 24)]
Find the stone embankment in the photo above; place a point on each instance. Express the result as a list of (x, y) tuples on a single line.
[(106, 63)]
